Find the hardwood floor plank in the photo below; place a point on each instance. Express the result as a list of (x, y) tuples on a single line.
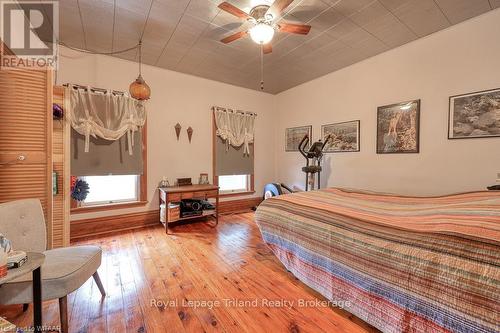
[(152, 320), (153, 286), (152, 279)]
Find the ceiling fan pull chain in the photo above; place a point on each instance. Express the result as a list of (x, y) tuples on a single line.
[(262, 67)]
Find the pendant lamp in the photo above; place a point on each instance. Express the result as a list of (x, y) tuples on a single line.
[(139, 89)]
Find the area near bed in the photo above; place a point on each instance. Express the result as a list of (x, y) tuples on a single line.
[(402, 264)]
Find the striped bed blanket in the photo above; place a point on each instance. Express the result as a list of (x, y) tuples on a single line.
[(402, 264)]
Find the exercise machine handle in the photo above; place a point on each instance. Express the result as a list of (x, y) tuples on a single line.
[(303, 143), (326, 141)]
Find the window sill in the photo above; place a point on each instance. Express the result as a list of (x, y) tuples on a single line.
[(100, 208), (236, 194)]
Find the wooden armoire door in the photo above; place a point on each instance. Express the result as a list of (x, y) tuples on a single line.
[(26, 138)]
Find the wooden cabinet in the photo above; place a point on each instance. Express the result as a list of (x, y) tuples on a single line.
[(26, 138)]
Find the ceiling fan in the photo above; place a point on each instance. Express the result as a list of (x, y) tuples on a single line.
[(263, 18)]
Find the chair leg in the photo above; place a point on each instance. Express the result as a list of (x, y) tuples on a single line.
[(63, 313), (97, 280), (25, 307)]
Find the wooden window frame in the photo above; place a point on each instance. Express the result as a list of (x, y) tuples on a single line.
[(214, 167), (143, 187)]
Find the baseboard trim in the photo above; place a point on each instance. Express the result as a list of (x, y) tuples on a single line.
[(111, 224), (238, 206), (123, 222)]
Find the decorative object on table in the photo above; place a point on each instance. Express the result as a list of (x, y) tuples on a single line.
[(139, 89), (164, 182), (344, 137), (178, 130), (190, 133), (203, 179), (57, 111), (16, 259), (294, 135), (474, 115), (184, 181), (80, 190), (398, 127), (5, 244)]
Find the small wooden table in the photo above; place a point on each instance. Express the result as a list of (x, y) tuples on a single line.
[(175, 194), (33, 264)]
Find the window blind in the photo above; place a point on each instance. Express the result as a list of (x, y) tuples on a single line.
[(105, 157), (231, 160)]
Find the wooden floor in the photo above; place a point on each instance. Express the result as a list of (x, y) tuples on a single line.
[(150, 278)]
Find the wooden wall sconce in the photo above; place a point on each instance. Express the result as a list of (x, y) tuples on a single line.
[(178, 130), (190, 133)]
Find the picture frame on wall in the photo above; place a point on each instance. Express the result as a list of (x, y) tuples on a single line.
[(294, 135), (398, 128), (344, 137), (474, 115)]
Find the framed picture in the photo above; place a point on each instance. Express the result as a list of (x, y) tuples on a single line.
[(398, 127), (203, 180), (474, 115), (344, 137), (294, 135)]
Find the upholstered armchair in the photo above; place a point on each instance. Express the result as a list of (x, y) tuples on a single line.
[(64, 269)]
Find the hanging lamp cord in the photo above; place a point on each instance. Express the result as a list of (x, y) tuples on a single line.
[(101, 53), (140, 56)]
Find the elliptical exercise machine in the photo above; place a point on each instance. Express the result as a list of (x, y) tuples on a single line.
[(312, 169)]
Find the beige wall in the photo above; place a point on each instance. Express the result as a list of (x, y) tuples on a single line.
[(176, 98), (462, 59)]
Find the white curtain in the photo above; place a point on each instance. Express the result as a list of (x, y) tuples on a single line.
[(235, 127), (104, 115)]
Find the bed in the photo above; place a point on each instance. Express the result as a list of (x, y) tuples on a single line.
[(402, 264)]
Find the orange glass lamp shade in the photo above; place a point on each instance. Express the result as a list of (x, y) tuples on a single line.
[(139, 89)]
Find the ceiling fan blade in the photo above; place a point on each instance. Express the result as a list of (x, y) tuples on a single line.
[(234, 37), (301, 29), (278, 7), (267, 48), (227, 7)]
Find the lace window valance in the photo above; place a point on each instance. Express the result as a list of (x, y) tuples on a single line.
[(104, 115), (236, 128)]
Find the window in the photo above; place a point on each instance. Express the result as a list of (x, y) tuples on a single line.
[(235, 184), (112, 189), (126, 187), (233, 169)]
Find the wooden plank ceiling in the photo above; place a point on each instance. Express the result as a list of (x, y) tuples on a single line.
[(183, 35)]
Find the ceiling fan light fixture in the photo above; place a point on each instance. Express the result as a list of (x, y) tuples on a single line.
[(262, 33)]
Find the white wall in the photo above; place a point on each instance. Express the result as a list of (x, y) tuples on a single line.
[(462, 59), (176, 98)]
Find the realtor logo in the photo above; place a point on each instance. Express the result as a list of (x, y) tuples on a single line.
[(29, 29)]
